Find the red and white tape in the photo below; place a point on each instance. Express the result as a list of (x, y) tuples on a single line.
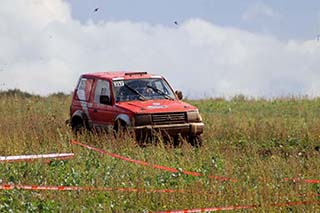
[(214, 209), (25, 158), (79, 188), (301, 180), (169, 169), (165, 168)]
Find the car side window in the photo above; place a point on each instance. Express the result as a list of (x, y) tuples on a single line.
[(84, 89), (102, 88)]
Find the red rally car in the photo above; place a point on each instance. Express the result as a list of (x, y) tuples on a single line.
[(137, 101)]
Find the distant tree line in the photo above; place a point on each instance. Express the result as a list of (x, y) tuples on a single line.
[(23, 94)]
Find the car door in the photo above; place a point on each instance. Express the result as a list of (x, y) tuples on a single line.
[(81, 99), (102, 113)]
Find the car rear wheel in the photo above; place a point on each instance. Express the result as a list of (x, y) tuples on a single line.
[(78, 126)]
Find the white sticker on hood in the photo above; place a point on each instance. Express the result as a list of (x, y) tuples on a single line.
[(157, 107)]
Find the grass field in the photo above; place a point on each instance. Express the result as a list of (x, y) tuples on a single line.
[(258, 142)]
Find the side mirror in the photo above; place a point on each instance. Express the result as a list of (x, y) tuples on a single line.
[(105, 99), (179, 94)]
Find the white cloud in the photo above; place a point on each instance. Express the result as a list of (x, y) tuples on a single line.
[(259, 10), (44, 50)]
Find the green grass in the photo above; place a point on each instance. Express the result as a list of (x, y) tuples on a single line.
[(257, 142)]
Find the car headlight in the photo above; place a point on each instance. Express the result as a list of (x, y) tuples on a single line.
[(142, 119), (194, 116)]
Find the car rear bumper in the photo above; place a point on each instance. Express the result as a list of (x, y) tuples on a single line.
[(186, 129)]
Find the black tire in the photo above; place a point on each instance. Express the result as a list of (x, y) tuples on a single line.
[(195, 140), (177, 141), (78, 126), (120, 129)]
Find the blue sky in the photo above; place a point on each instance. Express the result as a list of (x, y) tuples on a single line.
[(218, 49), (286, 19)]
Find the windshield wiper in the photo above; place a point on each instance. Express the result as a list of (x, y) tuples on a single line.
[(135, 91), (160, 92)]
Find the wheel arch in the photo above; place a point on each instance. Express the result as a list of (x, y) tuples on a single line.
[(124, 120), (79, 117)]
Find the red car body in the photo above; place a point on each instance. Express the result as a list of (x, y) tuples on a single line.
[(142, 102)]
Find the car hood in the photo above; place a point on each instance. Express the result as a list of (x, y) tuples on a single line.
[(156, 106)]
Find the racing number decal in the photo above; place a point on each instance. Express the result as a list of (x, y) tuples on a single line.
[(118, 83)]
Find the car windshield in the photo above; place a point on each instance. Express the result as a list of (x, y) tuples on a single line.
[(142, 89)]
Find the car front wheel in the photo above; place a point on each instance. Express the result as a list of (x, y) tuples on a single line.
[(195, 140)]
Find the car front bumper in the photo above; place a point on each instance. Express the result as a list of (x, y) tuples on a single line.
[(185, 129)]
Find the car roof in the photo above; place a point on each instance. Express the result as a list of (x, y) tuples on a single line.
[(120, 75)]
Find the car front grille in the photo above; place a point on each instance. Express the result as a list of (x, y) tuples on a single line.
[(169, 118)]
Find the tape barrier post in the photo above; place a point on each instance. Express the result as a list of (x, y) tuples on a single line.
[(79, 188), (143, 163), (26, 158)]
